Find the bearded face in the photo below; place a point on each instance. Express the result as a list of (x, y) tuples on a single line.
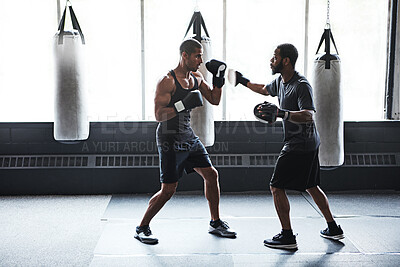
[(278, 68)]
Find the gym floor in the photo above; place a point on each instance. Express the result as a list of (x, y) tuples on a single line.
[(98, 231)]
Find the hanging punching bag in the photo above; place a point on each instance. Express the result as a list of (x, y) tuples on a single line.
[(202, 118), (326, 83), (71, 122)]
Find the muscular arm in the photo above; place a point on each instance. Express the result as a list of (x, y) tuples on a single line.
[(258, 88), (212, 95), (164, 90), (302, 116)]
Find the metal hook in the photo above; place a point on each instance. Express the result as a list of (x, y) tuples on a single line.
[(327, 25)]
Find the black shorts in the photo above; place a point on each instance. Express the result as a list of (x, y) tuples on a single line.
[(296, 170), (173, 160)]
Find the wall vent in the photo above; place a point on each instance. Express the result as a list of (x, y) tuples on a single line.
[(372, 160), (227, 160), (134, 161), (44, 161), (152, 161)]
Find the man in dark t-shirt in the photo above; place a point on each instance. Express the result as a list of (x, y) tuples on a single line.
[(297, 167), (296, 95)]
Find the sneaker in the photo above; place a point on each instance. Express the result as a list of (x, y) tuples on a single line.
[(221, 228), (334, 234), (144, 235), (281, 241)]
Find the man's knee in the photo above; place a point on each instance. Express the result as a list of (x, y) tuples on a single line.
[(168, 190), (314, 190), (209, 174), (276, 191), (311, 189), (214, 173)]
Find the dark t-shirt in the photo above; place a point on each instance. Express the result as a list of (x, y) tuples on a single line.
[(296, 95)]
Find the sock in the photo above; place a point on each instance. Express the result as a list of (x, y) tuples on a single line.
[(332, 225), (215, 223), (287, 232), (141, 228)]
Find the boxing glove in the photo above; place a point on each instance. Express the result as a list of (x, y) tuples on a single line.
[(217, 68), (241, 79), (267, 112), (192, 100)]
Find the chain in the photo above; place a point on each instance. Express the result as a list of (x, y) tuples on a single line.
[(328, 23)]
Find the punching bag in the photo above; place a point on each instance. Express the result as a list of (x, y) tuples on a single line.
[(71, 122), (202, 118), (326, 83)]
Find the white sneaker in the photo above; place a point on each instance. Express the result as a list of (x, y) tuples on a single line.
[(221, 228), (144, 235)]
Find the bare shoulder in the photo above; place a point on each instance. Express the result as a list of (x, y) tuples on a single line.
[(198, 75), (166, 83)]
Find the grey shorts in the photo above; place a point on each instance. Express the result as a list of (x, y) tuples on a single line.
[(174, 160)]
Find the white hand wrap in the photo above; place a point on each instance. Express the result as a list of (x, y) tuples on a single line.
[(179, 106), (286, 117)]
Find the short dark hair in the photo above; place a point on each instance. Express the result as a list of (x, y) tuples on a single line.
[(290, 51), (189, 46)]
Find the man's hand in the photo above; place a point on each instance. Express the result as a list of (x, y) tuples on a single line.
[(217, 68), (267, 112), (239, 78), (192, 100)]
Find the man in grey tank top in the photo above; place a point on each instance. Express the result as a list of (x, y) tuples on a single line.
[(179, 148), (297, 167)]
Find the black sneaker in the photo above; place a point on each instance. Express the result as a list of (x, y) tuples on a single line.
[(144, 235), (221, 228), (281, 241), (334, 234)]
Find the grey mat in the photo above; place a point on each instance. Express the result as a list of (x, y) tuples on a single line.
[(245, 260), (190, 236), (195, 206), (370, 222), (374, 235), (364, 204), (50, 230)]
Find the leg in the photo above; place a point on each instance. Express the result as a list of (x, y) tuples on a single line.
[(282, 207), (158, 201), (333, 231), (285, 239), (211, 189), (321, 200), (212, 193)]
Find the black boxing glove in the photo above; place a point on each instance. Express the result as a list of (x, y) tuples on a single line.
[(267, 112), (241, 79), (191, 101), (217, 68)]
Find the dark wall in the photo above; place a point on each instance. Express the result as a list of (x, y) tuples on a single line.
[(138, 138)]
